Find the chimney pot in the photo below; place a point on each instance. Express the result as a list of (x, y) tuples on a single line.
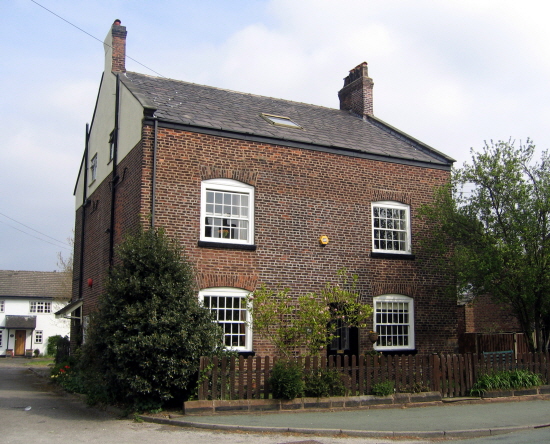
[(356, 95)]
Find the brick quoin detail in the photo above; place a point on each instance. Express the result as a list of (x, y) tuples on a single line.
[(210, 280)]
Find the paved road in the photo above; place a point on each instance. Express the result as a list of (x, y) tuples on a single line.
[(33, 411), (57, 418)]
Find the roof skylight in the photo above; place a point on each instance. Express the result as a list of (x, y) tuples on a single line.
[(280, 121)]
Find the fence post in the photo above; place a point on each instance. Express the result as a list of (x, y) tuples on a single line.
[(215, 374), (232, 377), (202, 365), (361, 375), (241, 377), (249, 377), (345, 371), (441, 380), (353, 370), (223, 382), (267, 368), (257, 391)]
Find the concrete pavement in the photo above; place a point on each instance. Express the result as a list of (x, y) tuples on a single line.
[(451, 420), (20, 388)]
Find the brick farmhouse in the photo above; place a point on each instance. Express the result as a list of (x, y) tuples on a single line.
[(263, 190)]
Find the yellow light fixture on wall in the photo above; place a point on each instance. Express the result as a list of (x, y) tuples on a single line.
[(323, 240)]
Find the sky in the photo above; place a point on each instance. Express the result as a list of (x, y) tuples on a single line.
[(452, 74)]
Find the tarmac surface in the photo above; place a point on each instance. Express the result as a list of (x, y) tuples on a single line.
[(530, 419), (445, 421)]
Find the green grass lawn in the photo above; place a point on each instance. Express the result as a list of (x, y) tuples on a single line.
[(40, 362)]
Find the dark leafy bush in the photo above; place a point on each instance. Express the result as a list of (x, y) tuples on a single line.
[(51, 347), (505, 380), (383, 388), (144, 343), (63, 348), (324, 382), (286, 380)]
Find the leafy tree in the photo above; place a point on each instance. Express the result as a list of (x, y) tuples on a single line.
[(495, 214), (66, 266), (307, 322), (145, 341)]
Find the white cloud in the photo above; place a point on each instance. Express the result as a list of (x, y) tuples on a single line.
[(450, 73)]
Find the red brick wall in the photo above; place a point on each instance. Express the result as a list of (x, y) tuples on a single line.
[(300, 195), (97, 225), (484, 315)]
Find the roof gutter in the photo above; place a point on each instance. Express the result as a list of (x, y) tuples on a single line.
[(333, 149)]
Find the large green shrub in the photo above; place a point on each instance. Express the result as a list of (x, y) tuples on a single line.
[(145, 341), (286, 380)]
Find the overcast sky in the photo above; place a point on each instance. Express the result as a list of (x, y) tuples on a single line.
[(450, 73)]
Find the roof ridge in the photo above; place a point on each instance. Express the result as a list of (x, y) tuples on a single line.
[(236, 92)]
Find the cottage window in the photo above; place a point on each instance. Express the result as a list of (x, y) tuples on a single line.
[(227, 208), (1, 306), (93, 169), (38, 336), (394, 322), (231, 313), (40, 307), (391, 230)]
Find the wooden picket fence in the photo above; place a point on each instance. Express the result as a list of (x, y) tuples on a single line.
[(492, 342), (452, 375)]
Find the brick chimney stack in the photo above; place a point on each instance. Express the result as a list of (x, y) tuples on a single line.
[(356, 95), (118, 43)]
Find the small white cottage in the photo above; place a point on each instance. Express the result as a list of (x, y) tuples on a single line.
[(28, 302)]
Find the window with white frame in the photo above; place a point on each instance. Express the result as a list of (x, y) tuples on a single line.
[(38, 337), (41, 307), (394, 322), (93, 169), (2, 306), (227, 211), (391, 229), (231, 313)]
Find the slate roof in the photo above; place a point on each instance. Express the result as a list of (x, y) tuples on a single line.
[(219, 109), (25, 322), (38, 284)]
